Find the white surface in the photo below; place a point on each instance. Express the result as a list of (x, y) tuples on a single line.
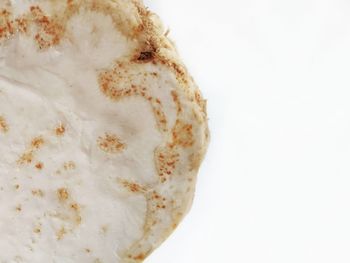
[(275, 186)]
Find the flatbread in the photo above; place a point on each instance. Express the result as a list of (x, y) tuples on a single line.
[(102, 132)]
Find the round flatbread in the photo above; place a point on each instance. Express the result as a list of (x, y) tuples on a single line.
[(102, 132)]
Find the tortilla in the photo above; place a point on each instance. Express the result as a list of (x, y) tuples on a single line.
[(102, 132)]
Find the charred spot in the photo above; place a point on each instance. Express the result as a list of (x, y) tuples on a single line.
[(146, 56)]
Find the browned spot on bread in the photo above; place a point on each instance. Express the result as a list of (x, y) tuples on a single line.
[(60, 130), (157, 41), (49, 31), (176, 100), (110, 143), (179, 69), (62, 194), (71, 210), (37, 142), (202, 103), (61, 233), (156, 205), (140, 256), (19, 208), (76, 209), (17, 186), (3, 125), (38, 192), (104, 229), (22, 24), (157, 201), (125, 23), (182, 135), (133, 187), (159, 114), (69, 165), (161, 47), (175, 225), (6, 24), (37, 230), (117, 83), (166, 159), (39, 166), (26, 158), (146, 56)]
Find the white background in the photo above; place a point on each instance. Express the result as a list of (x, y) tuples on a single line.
[(275, 186)]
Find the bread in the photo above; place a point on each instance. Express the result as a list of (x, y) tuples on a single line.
[(102, 132)]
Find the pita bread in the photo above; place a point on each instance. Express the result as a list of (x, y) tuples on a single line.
[(102, 132)]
